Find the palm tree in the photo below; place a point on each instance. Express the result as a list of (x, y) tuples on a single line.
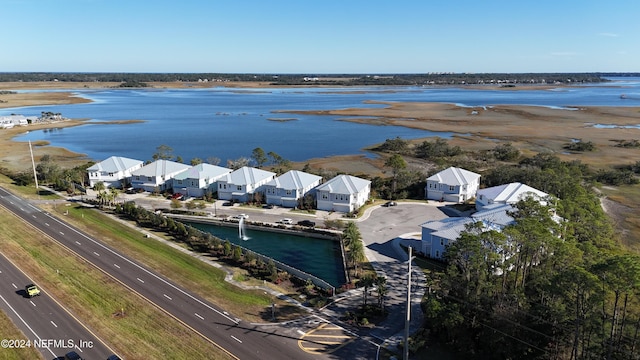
[(381, 284), (356, 254), (366, 282)]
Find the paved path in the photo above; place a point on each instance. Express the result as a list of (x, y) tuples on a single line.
[(384, 230)]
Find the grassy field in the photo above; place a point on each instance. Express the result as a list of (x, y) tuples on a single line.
[(126, 322), (9, 331)]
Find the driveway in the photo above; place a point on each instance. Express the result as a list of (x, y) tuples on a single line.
[(383, 230)]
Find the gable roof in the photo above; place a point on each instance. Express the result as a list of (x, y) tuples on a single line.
[(247, 175), (114, 164), (454, 176), (510, 193), (159, 168), (203, 171), (294, 179), (494, 218), (344, 184)]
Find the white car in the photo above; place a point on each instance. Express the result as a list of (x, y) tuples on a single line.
[(244, 216), (287, 221)]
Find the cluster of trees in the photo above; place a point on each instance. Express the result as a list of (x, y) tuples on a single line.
[(354, 247), (540, 288)]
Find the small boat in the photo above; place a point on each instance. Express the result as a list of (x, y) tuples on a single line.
[(623, 96)]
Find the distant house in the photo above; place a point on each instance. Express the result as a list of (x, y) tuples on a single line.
[(438, 234), (286, 189), (452, 184), (196, 180), (343, 193), (507, 194), (240, 184), (157, 175), (113, 172), (9, 121)]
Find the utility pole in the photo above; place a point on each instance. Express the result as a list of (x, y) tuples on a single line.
[(405, 355), (33, 163)]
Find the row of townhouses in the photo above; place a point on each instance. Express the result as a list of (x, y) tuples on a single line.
[(342, 193), (9, 121)]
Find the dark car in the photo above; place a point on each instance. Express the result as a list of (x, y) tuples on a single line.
[(113, 357), (308, 223), (390, 203), (72, 355)]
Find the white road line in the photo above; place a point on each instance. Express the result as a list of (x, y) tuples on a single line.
[(167, 296), (14, 285), (302, 332), (96, 253), (142, 281), (32, 303), (236, 339), (34, 216), (201, 318), (150, 273), (116, 265), (78, 242), (47, 224), (61, 233), (24, 322), (54, 324)]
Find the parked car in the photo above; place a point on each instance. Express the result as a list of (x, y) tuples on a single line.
[(177, 196), (113, 357), (286, 221), (308, 223), (390, 203), (268, 206), (32, 290)]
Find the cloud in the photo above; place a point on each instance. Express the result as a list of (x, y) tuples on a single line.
[(606, 34)]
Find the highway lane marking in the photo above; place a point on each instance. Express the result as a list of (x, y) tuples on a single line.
[(34, 216), (96, 253), (236, 339), (116, 265), (24, 322), (152, 274), (201, 318), (61, 233), (32, 303), (301, 332), (78, 242), (47, 224), (167, 296), (54, 324), (14, 285), (142, 281)]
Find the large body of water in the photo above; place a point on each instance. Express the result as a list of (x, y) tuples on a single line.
[(317, 257), (229, 123)]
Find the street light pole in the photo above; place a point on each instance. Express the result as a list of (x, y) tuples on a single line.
[(405, 355)]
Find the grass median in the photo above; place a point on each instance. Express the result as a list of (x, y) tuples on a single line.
[(125, 321), (11, 332)]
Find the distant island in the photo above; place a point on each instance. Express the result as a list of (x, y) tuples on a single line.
[(140, 79)]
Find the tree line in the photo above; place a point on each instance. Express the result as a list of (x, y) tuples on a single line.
[(322, 79)]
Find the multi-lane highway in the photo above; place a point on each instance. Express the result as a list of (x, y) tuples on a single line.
[(48, 327), (224, 330)]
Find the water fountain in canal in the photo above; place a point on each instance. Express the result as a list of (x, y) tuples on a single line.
[(242, 232)]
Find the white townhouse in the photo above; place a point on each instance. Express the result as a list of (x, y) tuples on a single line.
[(10, 121), (286, 189), (196, 180), (240, 184), (452, 184), (508, 194), (343, 193), (438, 234), (157, 175), (113, 172)]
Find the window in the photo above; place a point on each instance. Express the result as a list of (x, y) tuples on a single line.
[(148, 178), (111, 174), (452, 188), (325, 196), (288, 192), (437, 253), (180, 182), (138, 178), (441, 242), (239, 187)]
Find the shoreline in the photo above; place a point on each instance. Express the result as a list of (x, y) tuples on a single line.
[(530, 128)]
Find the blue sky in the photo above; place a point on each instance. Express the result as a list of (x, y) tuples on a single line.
[(328, 36)]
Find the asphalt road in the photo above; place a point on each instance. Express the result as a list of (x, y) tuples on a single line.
[(241, 340), (48, 327)]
